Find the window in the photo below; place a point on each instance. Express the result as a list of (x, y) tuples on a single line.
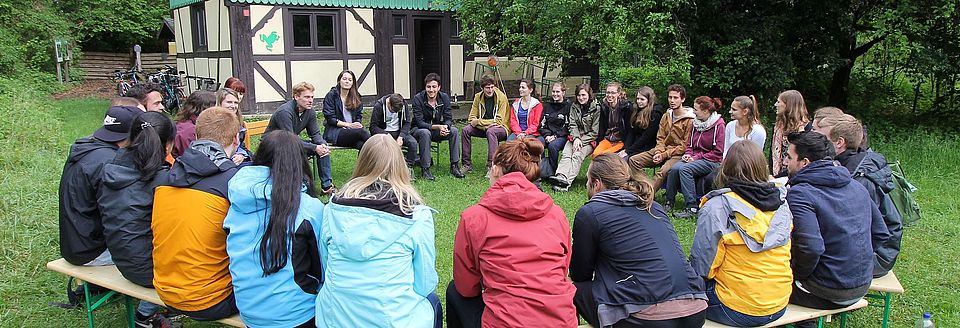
[(454, 27), (314, 31), (198, 19), (398, 26)]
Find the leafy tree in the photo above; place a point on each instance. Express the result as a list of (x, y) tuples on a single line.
[(114, 24)]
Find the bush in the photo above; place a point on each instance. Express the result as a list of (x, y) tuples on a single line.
[(657, 77)]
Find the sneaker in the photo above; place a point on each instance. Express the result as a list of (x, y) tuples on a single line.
[(466, 168), (560, 189), (686, 213), (427, 174), (455, 171), (556, 180), (156, 320)]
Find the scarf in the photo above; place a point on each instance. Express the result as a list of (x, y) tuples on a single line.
[(706, 125)]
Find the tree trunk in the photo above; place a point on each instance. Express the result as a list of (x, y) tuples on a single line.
[(840, 86)]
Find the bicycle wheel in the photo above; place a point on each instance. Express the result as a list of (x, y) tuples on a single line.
[(122, 88)]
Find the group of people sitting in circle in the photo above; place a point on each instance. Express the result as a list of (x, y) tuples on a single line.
[(223, 230)]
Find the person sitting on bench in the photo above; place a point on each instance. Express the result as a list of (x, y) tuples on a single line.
[(584, 126), (433, 122), (628, 265), (126, 202), (391, 116), (702, 155), (742, 244), (190, 260), (870, 169), (343, 113), (272, 230), (672, 137), (489, 118), (836, 227), (297, 115)]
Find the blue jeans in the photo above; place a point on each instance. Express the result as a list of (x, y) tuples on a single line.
[(147, 309), (684, 176), (324, 170), (552, 154), (719, 313)]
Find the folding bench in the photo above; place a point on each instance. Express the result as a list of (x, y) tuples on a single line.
[(883, 288)]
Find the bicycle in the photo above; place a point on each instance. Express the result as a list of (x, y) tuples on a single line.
[(204, 83), (125, 80), (169, 82)]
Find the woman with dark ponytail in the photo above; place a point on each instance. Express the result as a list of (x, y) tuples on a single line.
[(126, 201), (272, 230), (628, 265), (504, 275), (702, 156)]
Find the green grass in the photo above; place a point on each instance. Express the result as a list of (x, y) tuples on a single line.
[(34, 139)]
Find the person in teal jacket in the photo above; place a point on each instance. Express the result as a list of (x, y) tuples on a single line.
[(272, 231), (377, 247)]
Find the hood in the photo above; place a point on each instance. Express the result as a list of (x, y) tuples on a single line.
[(249, 189), (533, 103), (87, 145), (204, 158), (590, 107), (336, 89), (361, 233), (826, 172), (513, 197), (765, 197), (761, 230), (121, 172), (869, 164), (688, 114), (620, 198)]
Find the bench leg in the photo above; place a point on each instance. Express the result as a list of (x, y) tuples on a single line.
[(89, 307), (131, 312), (886, 309), (843, 320)]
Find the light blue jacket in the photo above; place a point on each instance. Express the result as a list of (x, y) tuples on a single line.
[(276, 300), (379, 268)]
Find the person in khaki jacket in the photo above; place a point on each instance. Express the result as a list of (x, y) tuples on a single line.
[(584, 126), (489, 117), (671, 137)]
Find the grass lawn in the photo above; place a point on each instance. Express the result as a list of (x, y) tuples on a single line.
[(30, 171)]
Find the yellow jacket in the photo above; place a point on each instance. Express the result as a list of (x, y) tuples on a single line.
[(502, 113)]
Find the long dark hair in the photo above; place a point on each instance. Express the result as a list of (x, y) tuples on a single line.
[(150, 133), (641, 116), (282, 152), (353, 96), (196, 103)]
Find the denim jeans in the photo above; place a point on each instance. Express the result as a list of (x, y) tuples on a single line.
[(719, 313), (552, 154), (147, 309), (324, 170), (684, 176)]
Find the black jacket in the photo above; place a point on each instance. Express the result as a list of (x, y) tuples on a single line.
[(81, 230), (553, 121), (288, 118), (637, 140), (378, 115), (633, 256), (871, 170), (127, 206), (332, 113), (425, 116), (611, 128)]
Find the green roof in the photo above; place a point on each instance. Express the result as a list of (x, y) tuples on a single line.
[(378, 4)]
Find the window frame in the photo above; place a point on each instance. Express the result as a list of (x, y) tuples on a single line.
[(314, 47), (198, 24)]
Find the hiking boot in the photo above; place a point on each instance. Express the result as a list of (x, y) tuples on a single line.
[(686, 213), (455, 171), (427, 174), (466, 168), (156, 320), (557, 181)]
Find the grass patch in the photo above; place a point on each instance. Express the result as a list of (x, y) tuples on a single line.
[(35, 138)]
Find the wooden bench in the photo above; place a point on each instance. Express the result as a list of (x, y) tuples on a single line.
[(883, 288), (796, 313), (110, 278)]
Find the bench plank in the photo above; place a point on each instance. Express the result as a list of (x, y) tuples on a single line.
[(109, 277), (887, 284), (796, 313)]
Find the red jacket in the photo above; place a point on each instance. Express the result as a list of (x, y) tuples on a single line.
[(533, 117), (514, 249)]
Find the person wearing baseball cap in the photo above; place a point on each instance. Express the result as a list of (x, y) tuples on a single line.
[(81, 230)]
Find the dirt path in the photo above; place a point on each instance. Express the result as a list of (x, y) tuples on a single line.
[(101, 89)]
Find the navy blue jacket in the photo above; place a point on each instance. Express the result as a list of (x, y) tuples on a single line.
[(836, 227), (81, 229), (425, 116), (615, 241), (332, 113)]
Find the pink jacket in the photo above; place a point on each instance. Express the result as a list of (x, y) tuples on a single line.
[(533, 117), (708, 144)]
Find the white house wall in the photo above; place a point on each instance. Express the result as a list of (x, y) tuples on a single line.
[(359, 40), (184, 30), (273, 25), (456, 70), (369, 85), (265, 92), (401, 69), (321, 73)]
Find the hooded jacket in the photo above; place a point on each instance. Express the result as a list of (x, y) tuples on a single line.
[(424, 116), (186, 133), (871, 170), (637, 140), (285, 298), (190, 271), (708, 144), (500, 117), (633, 256), (332, 112), (614, 120), (514, 247), (378, 123), (380, 268), (126, 203), (289, 118), (743, 243), (836, 230), (672, 136), (584, 122), (81, 228), (553, 122), (533, 117)]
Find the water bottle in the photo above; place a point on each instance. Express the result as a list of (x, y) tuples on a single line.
[(925, 321)]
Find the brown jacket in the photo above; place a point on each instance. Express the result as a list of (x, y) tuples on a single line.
[(672, 136)]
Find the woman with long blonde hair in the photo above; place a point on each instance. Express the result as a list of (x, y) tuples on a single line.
[(791, 117), (377, 247)]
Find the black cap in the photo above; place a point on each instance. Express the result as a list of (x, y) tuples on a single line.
[(116, 123)]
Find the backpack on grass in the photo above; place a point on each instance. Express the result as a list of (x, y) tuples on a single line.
[(902, 196)]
